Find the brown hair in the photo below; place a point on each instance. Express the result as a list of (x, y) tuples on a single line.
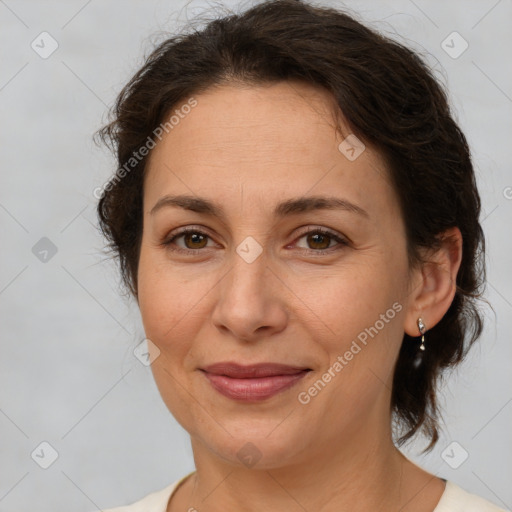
[(389, 98)]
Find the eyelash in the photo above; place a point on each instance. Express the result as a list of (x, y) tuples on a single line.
[(314, 252)]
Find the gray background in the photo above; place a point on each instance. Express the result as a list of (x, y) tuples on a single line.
[(68, 373)]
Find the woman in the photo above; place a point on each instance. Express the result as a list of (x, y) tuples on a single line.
[(295, 212)]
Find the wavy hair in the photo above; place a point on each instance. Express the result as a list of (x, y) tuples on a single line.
[(389, 98)]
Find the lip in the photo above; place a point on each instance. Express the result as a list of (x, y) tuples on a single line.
[(253, 382)]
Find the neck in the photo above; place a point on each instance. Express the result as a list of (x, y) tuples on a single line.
[(365, 474)]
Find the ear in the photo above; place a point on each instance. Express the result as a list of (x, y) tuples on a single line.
[(434, 284)]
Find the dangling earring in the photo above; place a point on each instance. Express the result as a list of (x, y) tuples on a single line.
[(422, 329)]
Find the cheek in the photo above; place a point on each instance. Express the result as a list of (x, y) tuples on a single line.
[(352, 300), (363, 310), (168, 303), (168, 298)]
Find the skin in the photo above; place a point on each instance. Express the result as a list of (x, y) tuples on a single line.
[(248, 148)]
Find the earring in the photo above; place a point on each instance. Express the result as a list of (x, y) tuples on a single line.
[(422, 329)]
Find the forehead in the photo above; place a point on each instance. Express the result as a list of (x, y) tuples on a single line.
[(229, 120), (269, 141)]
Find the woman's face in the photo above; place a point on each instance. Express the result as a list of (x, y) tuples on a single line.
[(260, 285)]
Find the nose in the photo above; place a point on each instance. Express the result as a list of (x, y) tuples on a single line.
[(250, 300)]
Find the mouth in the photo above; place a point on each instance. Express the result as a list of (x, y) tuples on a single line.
[(252, 383)]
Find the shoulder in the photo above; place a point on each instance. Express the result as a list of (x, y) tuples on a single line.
[(154, 502), (456, 499)]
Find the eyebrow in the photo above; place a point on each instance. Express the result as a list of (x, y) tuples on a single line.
[(286, 208)]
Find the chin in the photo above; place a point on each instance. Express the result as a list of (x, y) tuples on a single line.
[(263, 447)]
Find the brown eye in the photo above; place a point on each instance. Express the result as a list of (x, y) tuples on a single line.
[(319, 241), (195, 240)]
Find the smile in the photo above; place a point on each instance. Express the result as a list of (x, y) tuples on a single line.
[(252, 382)]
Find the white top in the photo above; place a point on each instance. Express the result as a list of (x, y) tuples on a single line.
[(453, 499)]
